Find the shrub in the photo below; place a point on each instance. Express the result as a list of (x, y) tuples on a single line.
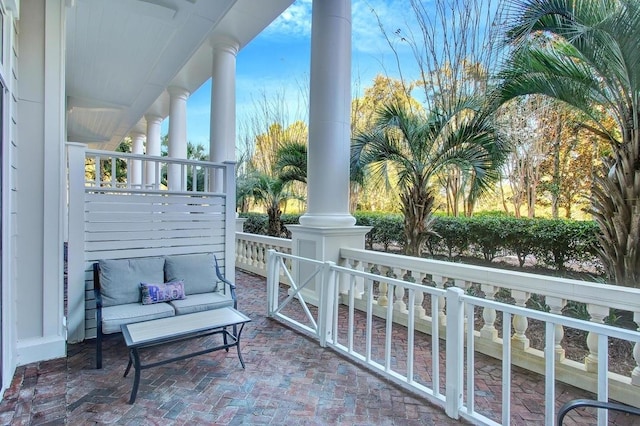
[(553, 242)]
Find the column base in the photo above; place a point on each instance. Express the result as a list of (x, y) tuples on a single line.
[(323, 244), (333, 221)]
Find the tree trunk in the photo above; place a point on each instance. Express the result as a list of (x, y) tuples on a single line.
[(273, 227), (616, 209), (417, 206), (555, 186)]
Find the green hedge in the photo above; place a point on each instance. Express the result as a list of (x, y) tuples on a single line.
[(554, 243)]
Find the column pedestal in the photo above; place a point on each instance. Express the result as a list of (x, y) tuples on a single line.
[(321, 243)]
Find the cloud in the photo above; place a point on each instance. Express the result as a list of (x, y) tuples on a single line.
[(294, 22)]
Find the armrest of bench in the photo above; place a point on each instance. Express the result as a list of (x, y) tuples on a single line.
[(98, 296), (96, 285), (232, 287)]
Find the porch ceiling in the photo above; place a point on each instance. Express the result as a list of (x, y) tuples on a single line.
[(121, 55)]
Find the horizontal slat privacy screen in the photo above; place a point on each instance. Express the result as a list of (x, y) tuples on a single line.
[(120, 224)]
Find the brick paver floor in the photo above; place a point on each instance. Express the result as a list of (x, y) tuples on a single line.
[(289, 380)]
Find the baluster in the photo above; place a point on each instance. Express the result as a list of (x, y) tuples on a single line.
[(254, 254), (261, 256), (440, 282), (519, 340), (238, 252), (468, 311), (635, 375), (555, 306), (382, 287), (366, 266), (598, 314), (360, 289), (419, 298), (399, 304), (245, 252), (488, 330)]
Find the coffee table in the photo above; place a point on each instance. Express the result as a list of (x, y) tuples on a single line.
[(179, 328)]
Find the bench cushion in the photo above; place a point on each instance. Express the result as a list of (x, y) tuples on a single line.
[(114, 316), (201, 302), (120, 278), (196, 271)]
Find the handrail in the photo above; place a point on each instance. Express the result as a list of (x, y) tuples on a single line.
[(578, 403)]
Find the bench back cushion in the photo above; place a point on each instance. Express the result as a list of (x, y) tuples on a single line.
[(196, 271), (120, 278)]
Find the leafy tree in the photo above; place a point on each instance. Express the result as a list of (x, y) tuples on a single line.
[(273, 193), (586, 54), (366, 193), (274, 166), (417, 147), (291, 161), (452, 42)]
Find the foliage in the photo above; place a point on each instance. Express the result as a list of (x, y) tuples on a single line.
[(257, 223), (487, 235), (410, 149), (386, 228), (450, 232), (584, 53), (555, 242), (454, 51), (273, 193), (559, 241)]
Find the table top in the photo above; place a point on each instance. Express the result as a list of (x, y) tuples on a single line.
[(163, 329)]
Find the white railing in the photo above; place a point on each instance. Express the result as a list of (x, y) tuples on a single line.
[(252, 250), (110, 169), (599, 299), (371, 296)]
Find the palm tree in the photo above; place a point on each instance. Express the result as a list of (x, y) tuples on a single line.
[(410, 149), (291, 161), (585, 53), (273, 193)]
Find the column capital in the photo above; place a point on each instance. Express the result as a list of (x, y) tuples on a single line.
[(178, 92), (153, 119), (225, 44), (136, 134)]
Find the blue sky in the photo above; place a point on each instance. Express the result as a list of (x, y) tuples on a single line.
[(277, 61)]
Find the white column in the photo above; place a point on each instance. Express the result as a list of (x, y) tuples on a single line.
[(177, 136), (329, 116), (327, 225), (222, 140), (137, 147), (151, 178)]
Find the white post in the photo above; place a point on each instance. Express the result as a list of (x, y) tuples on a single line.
[(177, 137), (153, 149), (137, 147), (222, 140), (455, 351), (230, 217), (635, 374), (272, 282), (76, 252), (327, 306)]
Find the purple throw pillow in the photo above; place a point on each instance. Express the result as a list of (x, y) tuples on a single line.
[(155, 293)]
